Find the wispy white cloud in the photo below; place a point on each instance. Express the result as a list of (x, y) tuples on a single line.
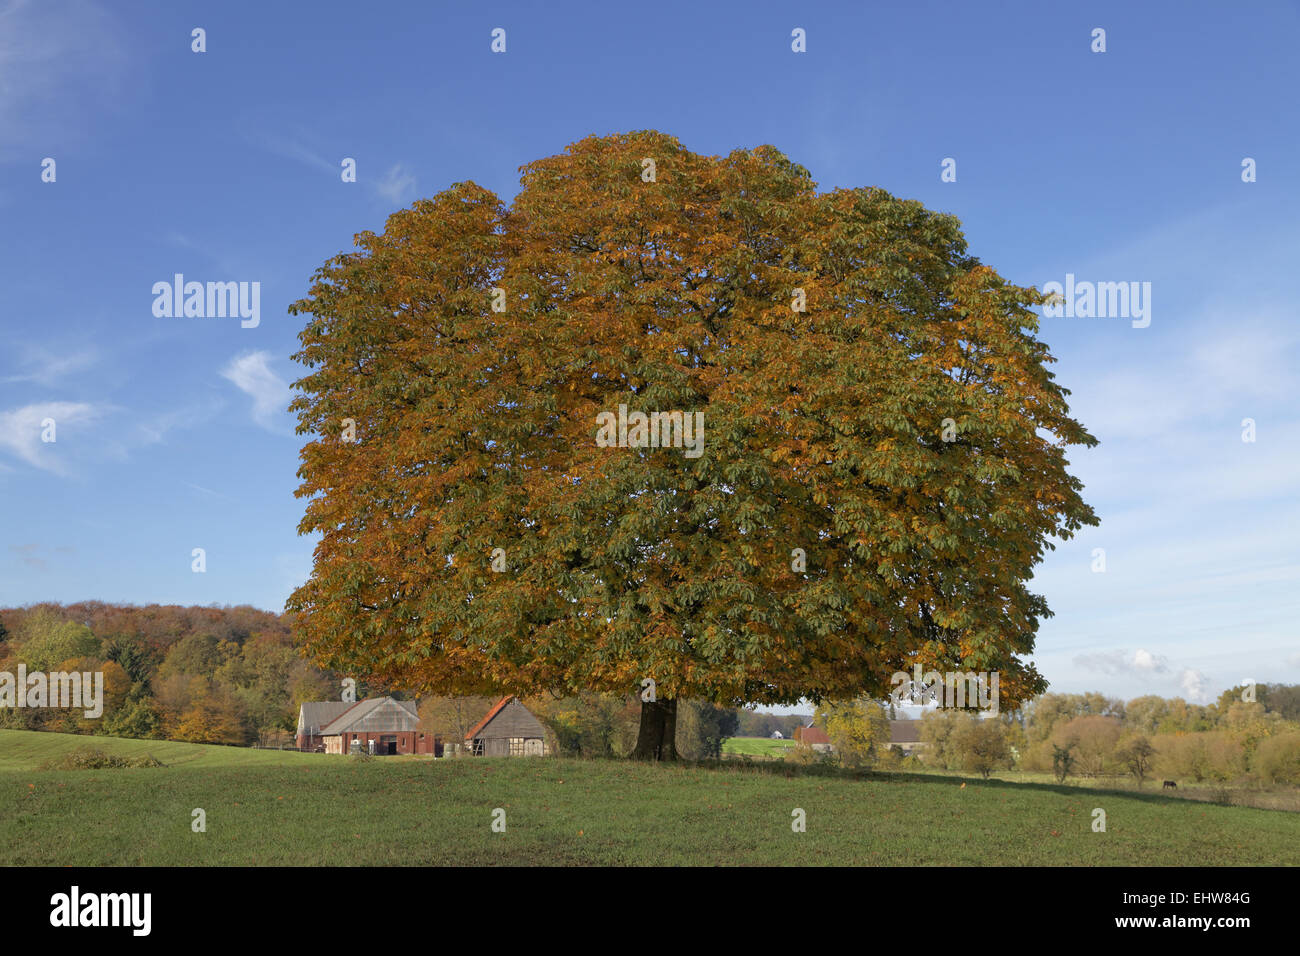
[(49, 368), (296, 147), (1118, 662), (21, 430), (61, 61), (397, 185), (154, 429), (1218, 368), (208, 492), (251, 373)]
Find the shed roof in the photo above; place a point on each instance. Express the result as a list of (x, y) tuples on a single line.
[(496, 709), (904, 731), (508, 718), (811, 735), (313, 715)]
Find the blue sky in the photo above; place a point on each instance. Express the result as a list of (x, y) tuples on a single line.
[(1122, 166)]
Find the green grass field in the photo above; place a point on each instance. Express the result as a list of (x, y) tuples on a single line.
[(755, 747), (267, 807), (27, 750)]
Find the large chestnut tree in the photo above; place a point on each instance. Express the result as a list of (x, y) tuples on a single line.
[(883, 457)]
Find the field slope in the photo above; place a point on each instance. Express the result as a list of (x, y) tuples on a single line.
[(28, 749), (264, 807)]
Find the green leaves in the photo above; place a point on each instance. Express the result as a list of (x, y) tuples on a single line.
[(823, 431)]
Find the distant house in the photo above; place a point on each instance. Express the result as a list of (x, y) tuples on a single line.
[(905, 735), (508, 730), (813, 737), (378, 725)]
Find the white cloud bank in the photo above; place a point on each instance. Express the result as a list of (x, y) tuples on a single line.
[(21, 430), (251, 373)]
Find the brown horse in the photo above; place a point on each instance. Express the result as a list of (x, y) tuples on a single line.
[(1169, 785)]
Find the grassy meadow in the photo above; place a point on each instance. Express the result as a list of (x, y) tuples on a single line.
[(27, 750), (755, 747), (269, 807)]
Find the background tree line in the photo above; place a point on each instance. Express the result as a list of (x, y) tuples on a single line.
[(234, 675), (226, 675), (1091, 735)]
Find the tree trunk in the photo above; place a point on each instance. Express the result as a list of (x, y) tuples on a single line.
[(656, 738)]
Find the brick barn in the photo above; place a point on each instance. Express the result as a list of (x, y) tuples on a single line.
[(379, 725), (508, 730)]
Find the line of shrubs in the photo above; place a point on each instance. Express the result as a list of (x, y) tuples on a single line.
[(93, 758)]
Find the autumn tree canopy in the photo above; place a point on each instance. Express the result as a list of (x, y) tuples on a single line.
[(880, 467)]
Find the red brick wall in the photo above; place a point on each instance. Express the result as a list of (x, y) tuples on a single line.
[(408, 741)]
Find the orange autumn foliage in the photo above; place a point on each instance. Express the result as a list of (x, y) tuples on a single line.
[(901, 428)]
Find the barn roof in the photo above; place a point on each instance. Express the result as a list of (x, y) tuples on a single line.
[(377, 715), (317, 713), (512, 719), (373, 715), (496, 709), (904, 731), (811, 735)]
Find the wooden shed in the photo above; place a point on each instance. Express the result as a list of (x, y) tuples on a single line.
[(508, 730)]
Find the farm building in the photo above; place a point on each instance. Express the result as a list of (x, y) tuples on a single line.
[(905, 735), (813, 737), (379, 725), (314, 715), (508, 730)]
